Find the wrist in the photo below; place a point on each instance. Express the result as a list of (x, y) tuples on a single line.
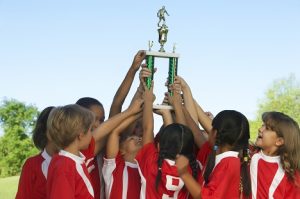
[(183, 174), (140, 89), (134, 68)]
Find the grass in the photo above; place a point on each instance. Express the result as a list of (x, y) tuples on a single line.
[(8, 187)]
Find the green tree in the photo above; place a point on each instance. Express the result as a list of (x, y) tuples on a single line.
[(17, 120), (282, 96)]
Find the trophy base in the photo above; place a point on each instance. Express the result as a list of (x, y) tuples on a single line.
[(162, 106)]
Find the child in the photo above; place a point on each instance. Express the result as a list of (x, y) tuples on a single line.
[(275, 168), (120, 171), (33, 179), (100, 133), (225, 174), (69, 128), (156, 163), (95, 162)]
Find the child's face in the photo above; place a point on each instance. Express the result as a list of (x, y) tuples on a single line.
[(132, 144), (99, 115), (268, 140)]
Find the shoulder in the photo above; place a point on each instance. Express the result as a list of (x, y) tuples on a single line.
[(61, 163), (34, 161), (228, 164)]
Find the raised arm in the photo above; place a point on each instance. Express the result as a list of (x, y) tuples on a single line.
[(112, 147), (187, 98), (203, 118), (176, 101), (148, 122), (100, 134), (124, 88), (165, 113), (199, 137), (190, 183)]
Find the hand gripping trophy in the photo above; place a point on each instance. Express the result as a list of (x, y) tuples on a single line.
[(173, 57)]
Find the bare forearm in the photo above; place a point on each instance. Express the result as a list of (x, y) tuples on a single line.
[(122, 93), (147, 123), (179, 115), (203, 119), (189, 103), (106, 127), (199, 138), (192, 185)]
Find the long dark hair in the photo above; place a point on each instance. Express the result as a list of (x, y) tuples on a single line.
[(176, 139), (232, 129), (39, 134)]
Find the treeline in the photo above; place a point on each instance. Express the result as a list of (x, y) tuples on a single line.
[(18, 119)]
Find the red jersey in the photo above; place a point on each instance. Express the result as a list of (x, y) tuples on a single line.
[(93, 169), (170, 186), (122, 179), (203, 154), (224, 180), (32, 183), (68, 177), (268, 178)]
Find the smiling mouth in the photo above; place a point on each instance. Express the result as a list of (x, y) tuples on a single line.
[(259, 137)]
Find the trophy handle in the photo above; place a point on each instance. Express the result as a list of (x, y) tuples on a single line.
[(150, 65), (173, 63)]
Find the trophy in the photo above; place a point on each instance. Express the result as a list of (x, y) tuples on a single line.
[(151, 55)]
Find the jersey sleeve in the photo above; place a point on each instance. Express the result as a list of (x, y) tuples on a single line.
[(25, 182), (109, 165), (146, 156)]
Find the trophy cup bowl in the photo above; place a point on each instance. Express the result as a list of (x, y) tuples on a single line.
[(162, 38)]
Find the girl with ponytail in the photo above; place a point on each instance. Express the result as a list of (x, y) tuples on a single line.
[(225, 173)]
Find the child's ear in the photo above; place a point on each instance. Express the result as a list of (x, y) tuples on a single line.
[(81, 135), (279, 141)]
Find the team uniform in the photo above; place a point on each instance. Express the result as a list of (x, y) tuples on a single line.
[(33, 179), (224, 180), (68, 177), (268, 178), (93, 169), (170, 186), (203, 154), (122, 179)]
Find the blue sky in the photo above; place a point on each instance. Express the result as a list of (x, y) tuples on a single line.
[(54, 52)]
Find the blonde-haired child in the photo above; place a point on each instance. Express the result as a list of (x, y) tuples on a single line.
[(69, 128)]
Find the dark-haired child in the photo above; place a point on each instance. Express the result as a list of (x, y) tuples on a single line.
[(33, 179), (156, 164), (226, 172)]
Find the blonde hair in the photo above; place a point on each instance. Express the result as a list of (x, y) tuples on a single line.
[(288, 129), (65, 123)]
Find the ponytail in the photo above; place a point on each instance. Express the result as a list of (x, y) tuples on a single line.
[(159, 164), (245, 184), (210, 164)]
